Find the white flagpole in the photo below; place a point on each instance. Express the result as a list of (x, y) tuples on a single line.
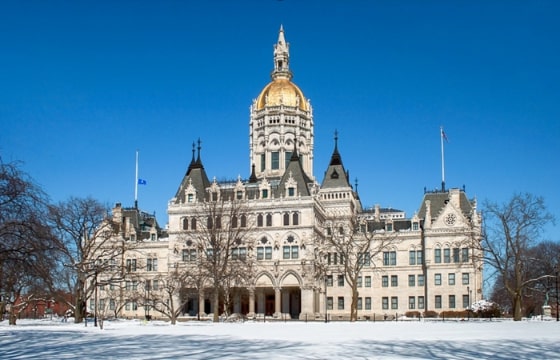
[(136, 183), (442, 160)]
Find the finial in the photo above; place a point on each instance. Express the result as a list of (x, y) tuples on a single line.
[(199, 147), (356, 180)]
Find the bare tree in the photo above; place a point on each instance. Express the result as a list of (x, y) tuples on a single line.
[(114, 293), (512, 229), (164, 293), (349, 247), (222, 243), (87, 247), (26, 242)]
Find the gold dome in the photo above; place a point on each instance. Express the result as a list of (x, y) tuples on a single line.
[(281, 91)]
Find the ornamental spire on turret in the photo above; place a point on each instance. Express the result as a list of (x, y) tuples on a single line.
[(281, 58)]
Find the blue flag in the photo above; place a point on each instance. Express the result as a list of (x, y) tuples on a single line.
[(141, 182)]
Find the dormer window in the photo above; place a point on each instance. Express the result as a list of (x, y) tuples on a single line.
[(239, 194), (291, 191), (265, 193), (190, 198)]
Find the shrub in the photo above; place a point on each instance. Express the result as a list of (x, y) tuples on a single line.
[(431, 314), (412, 314)]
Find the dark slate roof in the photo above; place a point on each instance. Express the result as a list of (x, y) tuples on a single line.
[(197, 175), (335, 176), (295, 169), (142, 223), (398, 225), (439, 199)]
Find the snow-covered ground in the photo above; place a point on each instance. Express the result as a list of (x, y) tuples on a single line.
[(45, 339)]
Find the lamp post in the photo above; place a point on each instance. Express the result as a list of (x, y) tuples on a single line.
[(557, 314), (147, 300), (326, 306), (95, 305), (469, 302)]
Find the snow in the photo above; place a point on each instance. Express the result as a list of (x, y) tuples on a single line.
[(134, 339)]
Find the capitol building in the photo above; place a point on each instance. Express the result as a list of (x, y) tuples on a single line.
[(287, 244)]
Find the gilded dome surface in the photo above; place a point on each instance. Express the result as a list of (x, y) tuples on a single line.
[(281, 91)]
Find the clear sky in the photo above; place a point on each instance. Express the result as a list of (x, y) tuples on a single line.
[(84, 84)]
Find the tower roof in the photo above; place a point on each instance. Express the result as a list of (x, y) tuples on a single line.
[(336, 175), (295, 172), (195, 176), (281, 90)]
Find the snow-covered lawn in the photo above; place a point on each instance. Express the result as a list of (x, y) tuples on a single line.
[(45, 339)]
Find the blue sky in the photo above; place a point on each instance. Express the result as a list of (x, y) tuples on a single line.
[(84, 84)]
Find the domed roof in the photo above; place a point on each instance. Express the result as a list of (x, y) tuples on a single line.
[(281, 91)]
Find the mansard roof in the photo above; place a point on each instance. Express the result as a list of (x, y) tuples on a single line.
[(398, 225), (142, 222), (439, 199)]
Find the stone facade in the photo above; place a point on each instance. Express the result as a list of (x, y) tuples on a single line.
[(289, 223)]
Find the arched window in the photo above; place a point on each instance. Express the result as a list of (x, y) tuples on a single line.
[(193, 224), (185, 224), (243, 221), (268, 219), (218, 222), (234, 221), (209, 223), (286, 219), (295, 219), (260, 220)]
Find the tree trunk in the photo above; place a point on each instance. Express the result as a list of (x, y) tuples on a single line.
[(216, 306), (517, 313), (12, 317), (354, 305), (79, 306)]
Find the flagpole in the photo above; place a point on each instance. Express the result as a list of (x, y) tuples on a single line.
[(136, 184), (442, 160)]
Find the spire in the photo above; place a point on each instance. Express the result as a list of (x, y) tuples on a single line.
[(295, 156), (195, 176), (336, 176), (253, 177), (281, 58), (192, 160), (335, 158), (198, 161)]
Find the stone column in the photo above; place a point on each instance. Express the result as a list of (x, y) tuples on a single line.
[(237, 303), (307, 303), (261, 306), (201, 304), (277, 302), (251, 302)]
